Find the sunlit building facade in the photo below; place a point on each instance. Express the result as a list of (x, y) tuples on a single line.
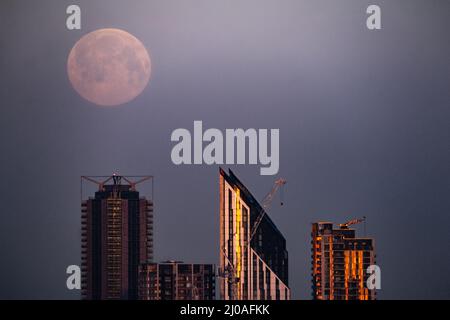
[(339, 263), (117, 236), (175, 280), (250, 269)]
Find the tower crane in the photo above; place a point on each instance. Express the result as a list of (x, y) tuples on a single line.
[(229, 273), (345, 225), (266, 204)]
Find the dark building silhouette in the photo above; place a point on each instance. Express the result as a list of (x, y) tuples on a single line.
[(251, 268), (117, 236), (173, 280), (339, 263)]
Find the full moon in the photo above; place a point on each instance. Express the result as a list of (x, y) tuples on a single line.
[(109, 67)]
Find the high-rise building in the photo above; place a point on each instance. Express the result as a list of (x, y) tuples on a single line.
[(339, 263), (250, 268), (173, 280), (117, 236)]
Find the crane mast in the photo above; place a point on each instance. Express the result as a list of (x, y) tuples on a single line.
[(229, 273)]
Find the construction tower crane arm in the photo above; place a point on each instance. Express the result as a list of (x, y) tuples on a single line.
[(266, 204), (352, 222)]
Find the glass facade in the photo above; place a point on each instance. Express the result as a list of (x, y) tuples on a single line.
[(259, 265)]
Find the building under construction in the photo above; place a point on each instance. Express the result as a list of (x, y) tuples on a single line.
[(174, 280), (117, 236), (253, 255), (340, 261)]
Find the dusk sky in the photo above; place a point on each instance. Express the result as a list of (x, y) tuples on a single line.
[(364, 120)]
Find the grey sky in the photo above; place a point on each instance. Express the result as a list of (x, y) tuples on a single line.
[(363, 118)]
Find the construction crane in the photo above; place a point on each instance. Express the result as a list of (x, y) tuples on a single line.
[(266, 204), (229, 273), (352, 222)]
